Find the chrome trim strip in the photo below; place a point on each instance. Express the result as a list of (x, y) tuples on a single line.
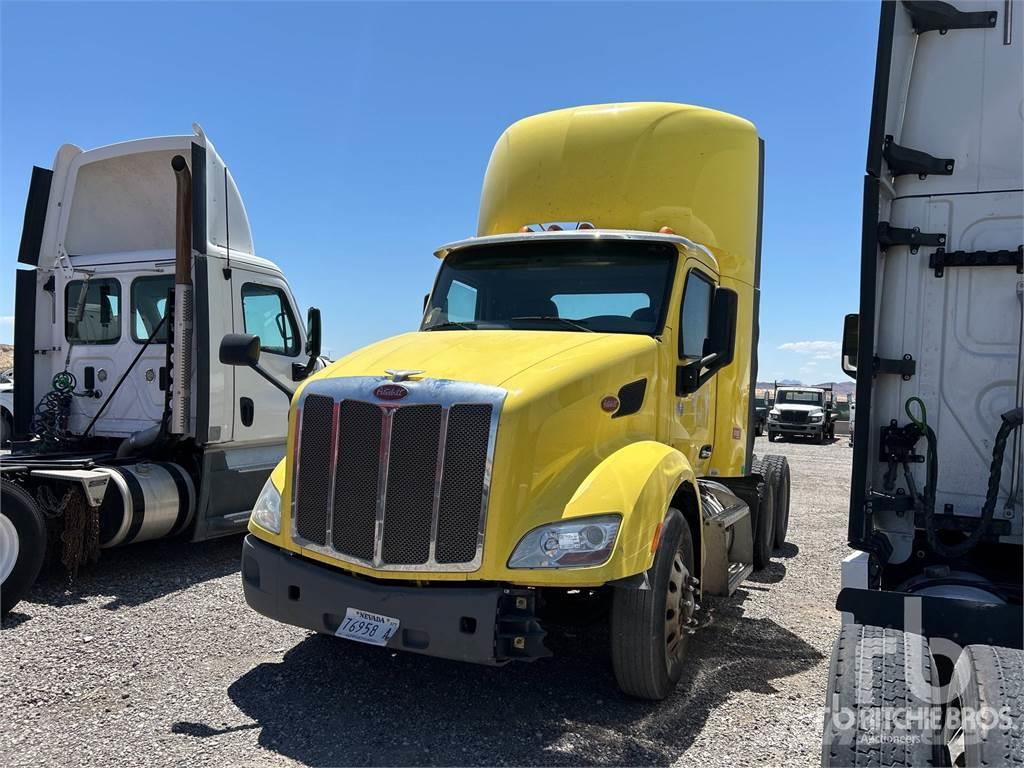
[(294, 469), (333, 469), (435, 511), (443, 392), (384, 463)]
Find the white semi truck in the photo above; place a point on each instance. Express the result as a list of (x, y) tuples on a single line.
[(137, 259), (929, 668)]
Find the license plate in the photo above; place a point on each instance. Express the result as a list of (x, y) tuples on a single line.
[(366, 627)]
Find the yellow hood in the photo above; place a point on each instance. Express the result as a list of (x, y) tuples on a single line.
[(484, 357)]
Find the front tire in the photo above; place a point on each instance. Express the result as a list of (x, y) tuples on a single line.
[(650, 627), (772, 435), (22, 544)]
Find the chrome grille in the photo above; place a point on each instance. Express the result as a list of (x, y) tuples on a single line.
[(412, 473), (356, 479), (396, 486), (465, 462), (314, 473)]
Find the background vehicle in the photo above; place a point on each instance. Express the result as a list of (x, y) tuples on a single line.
[(571, 425), (6, 406), (932, 596), (760, 415), (127, 426), (802, 412)]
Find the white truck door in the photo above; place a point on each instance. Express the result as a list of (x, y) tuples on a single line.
[(264, 307)]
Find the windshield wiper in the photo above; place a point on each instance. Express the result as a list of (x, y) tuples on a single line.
[(447, 326), (564, 320)]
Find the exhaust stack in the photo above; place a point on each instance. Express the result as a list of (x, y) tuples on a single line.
[(181, 332)]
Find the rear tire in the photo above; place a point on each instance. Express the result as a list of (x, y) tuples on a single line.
[(875, 714), (22, 544), (764, 522), (649, 627), (989, 682), (780, 468)]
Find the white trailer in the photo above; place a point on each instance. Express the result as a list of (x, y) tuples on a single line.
[(929, 667), (137, 259)]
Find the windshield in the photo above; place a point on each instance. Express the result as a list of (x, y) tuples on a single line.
[(603, 286), (800, 398)]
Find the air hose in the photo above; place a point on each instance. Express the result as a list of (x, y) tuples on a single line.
[(1010, 421)]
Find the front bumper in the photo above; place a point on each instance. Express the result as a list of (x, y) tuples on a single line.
[(483, 625), (799, 429)]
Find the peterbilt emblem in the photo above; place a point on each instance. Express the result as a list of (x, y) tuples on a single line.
[(390, 392)]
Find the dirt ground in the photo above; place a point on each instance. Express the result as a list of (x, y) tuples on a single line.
[(153, 657)]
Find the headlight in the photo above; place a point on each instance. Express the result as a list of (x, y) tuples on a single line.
[(569, 544), (267, 512), (817, 416), (773, 414)]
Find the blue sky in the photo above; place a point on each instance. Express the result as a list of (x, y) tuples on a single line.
[(359, 133)]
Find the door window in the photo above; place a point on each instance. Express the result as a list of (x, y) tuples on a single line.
[(149, 307), (92, 311), (695, 315), (266, 313)]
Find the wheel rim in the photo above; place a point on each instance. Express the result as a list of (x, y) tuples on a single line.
[(8, 547), (679, 607)]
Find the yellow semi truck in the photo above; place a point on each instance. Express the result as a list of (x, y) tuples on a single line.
[(573, 421)]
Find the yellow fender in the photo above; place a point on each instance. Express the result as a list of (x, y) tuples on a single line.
[(639, 481)]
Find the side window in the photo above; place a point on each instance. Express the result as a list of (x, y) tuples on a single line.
[(461, 302), (267, 314), (149, 307), (92, 311), (695, 315)]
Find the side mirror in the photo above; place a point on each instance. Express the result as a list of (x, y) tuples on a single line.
[(719, 346), (724, 308), (313, 333), (851, 343), (240, 349), (243, 349)]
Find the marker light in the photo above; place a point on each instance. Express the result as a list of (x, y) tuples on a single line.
[(666, 231)]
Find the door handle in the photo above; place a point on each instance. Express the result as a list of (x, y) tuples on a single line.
[(705, 452)]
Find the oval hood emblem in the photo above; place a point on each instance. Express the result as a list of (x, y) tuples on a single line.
[(390, 392)]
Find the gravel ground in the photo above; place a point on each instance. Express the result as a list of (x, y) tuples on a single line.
[(153, 658)]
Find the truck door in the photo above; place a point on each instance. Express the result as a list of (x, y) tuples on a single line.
[(693, 425), (107, 321), (263, 306)]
